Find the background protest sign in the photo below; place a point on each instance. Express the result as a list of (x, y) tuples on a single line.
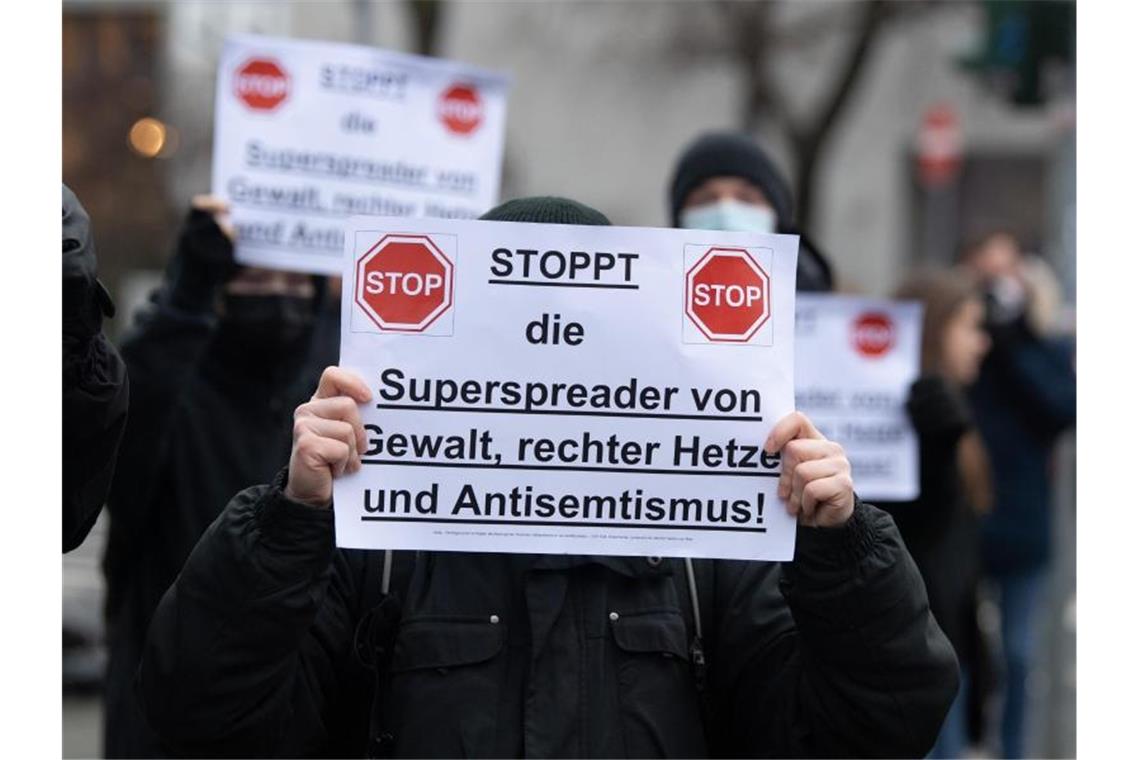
[(855, 361), (567, 389), (307, 134)]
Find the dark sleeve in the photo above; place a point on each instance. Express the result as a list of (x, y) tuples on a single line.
[(162, 350), (246, 654), (835, 654), (1039, 374), (94, 380), (940, 414), (95, 393)]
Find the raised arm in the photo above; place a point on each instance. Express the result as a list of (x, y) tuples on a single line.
[(161, 351)]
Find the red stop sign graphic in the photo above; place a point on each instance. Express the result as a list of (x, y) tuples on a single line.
[(261, 84), (939, 146), (403, 283), (461, 109), (873, 334), (727, 295)]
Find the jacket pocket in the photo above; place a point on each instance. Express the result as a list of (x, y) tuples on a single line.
[(658, 632), (447, 678), (446, 642), (659, 707)]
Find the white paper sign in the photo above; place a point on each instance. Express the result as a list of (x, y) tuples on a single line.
[(567, 389), (307, 134), (855, 361)]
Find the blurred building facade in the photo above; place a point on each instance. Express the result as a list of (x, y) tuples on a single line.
[(605, 96)]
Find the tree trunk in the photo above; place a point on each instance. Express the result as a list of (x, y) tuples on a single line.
[(811, 140), (425, 17)]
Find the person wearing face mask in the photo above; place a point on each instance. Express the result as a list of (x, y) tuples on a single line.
[(940, 527), (724, 181), (218, 362)]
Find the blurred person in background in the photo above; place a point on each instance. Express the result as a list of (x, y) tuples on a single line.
[(940, 526), (1024, 399), (220, 359), (94, 380), (725, 181)]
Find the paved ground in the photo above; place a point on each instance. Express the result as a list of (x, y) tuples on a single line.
[(82, 604), (1058, 736), (82, 727)]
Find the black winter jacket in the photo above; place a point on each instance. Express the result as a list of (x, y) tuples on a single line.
[(1025, 398), (257, 649), (94, 381), (940, 527), (210, 416)]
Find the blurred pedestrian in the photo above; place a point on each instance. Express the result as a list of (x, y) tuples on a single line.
[(1025, 397), (940, 526), (219, 361), (271, 641), (94, 380), (725, 181)]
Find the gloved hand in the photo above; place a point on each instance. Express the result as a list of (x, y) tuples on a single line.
[(1006, 299), (85, 300), (204, 258), (937, 408)]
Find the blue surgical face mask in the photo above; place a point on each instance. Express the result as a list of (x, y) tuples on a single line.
[(729, 215)]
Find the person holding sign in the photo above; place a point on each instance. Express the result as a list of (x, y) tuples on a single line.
[(724, 181), (217, 364), (274, 642)]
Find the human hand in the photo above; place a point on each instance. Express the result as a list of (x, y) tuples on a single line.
[(207, 238), (816, 476), (204, 257), (327, 437)]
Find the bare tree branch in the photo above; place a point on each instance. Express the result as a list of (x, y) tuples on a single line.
[(749, 28), (812, 27), (810, 138), (425, 16), (754, 39)]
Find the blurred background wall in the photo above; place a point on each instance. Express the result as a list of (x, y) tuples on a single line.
[(605, 96), (908, 128)]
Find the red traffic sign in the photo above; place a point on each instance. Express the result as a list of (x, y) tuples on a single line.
[(873, 334), (461, 109), (939, 145), (261, 84), (403, 283), (727, 295)]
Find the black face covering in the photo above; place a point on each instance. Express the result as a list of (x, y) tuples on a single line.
[(268, 324)]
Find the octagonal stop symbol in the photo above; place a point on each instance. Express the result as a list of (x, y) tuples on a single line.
[(261, 83), (727, 295), (403, 283)]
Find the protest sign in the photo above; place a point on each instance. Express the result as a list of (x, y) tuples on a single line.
[(307, 134), (567, 389), (855, 361)]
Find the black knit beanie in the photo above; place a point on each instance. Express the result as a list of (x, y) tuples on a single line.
[(727, 154), (546, 210)]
